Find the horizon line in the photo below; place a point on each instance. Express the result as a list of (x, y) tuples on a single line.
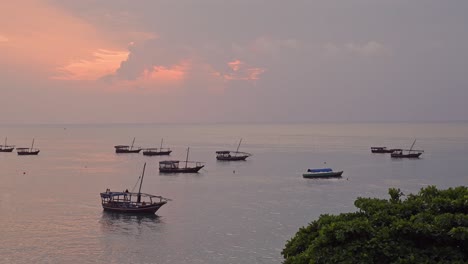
[(231, 122)]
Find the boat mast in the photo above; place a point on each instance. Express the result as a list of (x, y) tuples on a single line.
[(133, 142), (186, 159), (412, 145), (141, 182), (160, 148), (238, 146), (32, 145), (5, 141)]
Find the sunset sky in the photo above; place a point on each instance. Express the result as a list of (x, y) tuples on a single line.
[(149, 61)]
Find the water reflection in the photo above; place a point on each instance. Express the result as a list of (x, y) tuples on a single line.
[(130, 224)]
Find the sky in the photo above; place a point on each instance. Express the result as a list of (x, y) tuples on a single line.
[(178, 61)]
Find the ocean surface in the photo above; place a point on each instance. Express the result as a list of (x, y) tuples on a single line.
[(230, 212)]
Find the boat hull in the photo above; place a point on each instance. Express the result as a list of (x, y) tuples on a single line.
[(407, 156), (28, 153), (181, 170), (382, 151), (6, 149), (233, 158), (334, 174), (121, 208), (157, 153), (127, 151)]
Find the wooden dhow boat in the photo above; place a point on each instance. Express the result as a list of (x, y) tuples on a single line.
[(131, 202), (6, 147), (157, 152), (382, 150), (127, 149), (28, 151), (173, 166), (407, 153), (230, 155)]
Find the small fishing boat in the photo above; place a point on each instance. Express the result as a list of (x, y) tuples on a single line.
[(6, 148), (27, 151), (131, 202), (157, 152), (127, 149), (172, 166), (230, 155), (322, 173), (382, 150), (407, 153)]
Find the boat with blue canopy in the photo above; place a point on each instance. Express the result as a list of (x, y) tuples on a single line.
[(321, 173)]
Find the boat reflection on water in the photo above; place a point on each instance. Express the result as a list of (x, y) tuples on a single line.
[(130, 218), (130, 224)]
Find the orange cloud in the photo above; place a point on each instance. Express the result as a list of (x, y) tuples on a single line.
[(164, 74), (104, 62), (50, 42)]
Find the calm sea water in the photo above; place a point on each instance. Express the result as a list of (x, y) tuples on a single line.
[(231, 212)]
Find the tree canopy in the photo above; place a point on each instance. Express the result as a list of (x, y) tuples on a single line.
[(428, 227)]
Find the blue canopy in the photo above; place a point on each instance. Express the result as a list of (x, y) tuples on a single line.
[(320, 170)]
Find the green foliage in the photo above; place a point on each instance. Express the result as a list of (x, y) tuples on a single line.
[(428, 227)]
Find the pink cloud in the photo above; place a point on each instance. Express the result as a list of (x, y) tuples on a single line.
[(102, 63), (175, 73), (155, 78), (52, 43), (242, 71), (235, 65)]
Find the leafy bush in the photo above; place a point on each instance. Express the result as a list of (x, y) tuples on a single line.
[(428, 227)]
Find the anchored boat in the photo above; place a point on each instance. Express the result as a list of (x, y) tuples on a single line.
[(230, 155), (382, 150), (127, 149), (6, 148), (27, 151), (157, 152), (321, 173), (130, 202), (173, 166), (407, 153)]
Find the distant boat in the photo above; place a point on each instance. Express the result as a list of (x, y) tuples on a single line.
[(27, 151), (322, 173), (157, 152), (382, 150), (172, 166), (6, 148), (130, 202), (127, 149), (229, 155), (407, 153)]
